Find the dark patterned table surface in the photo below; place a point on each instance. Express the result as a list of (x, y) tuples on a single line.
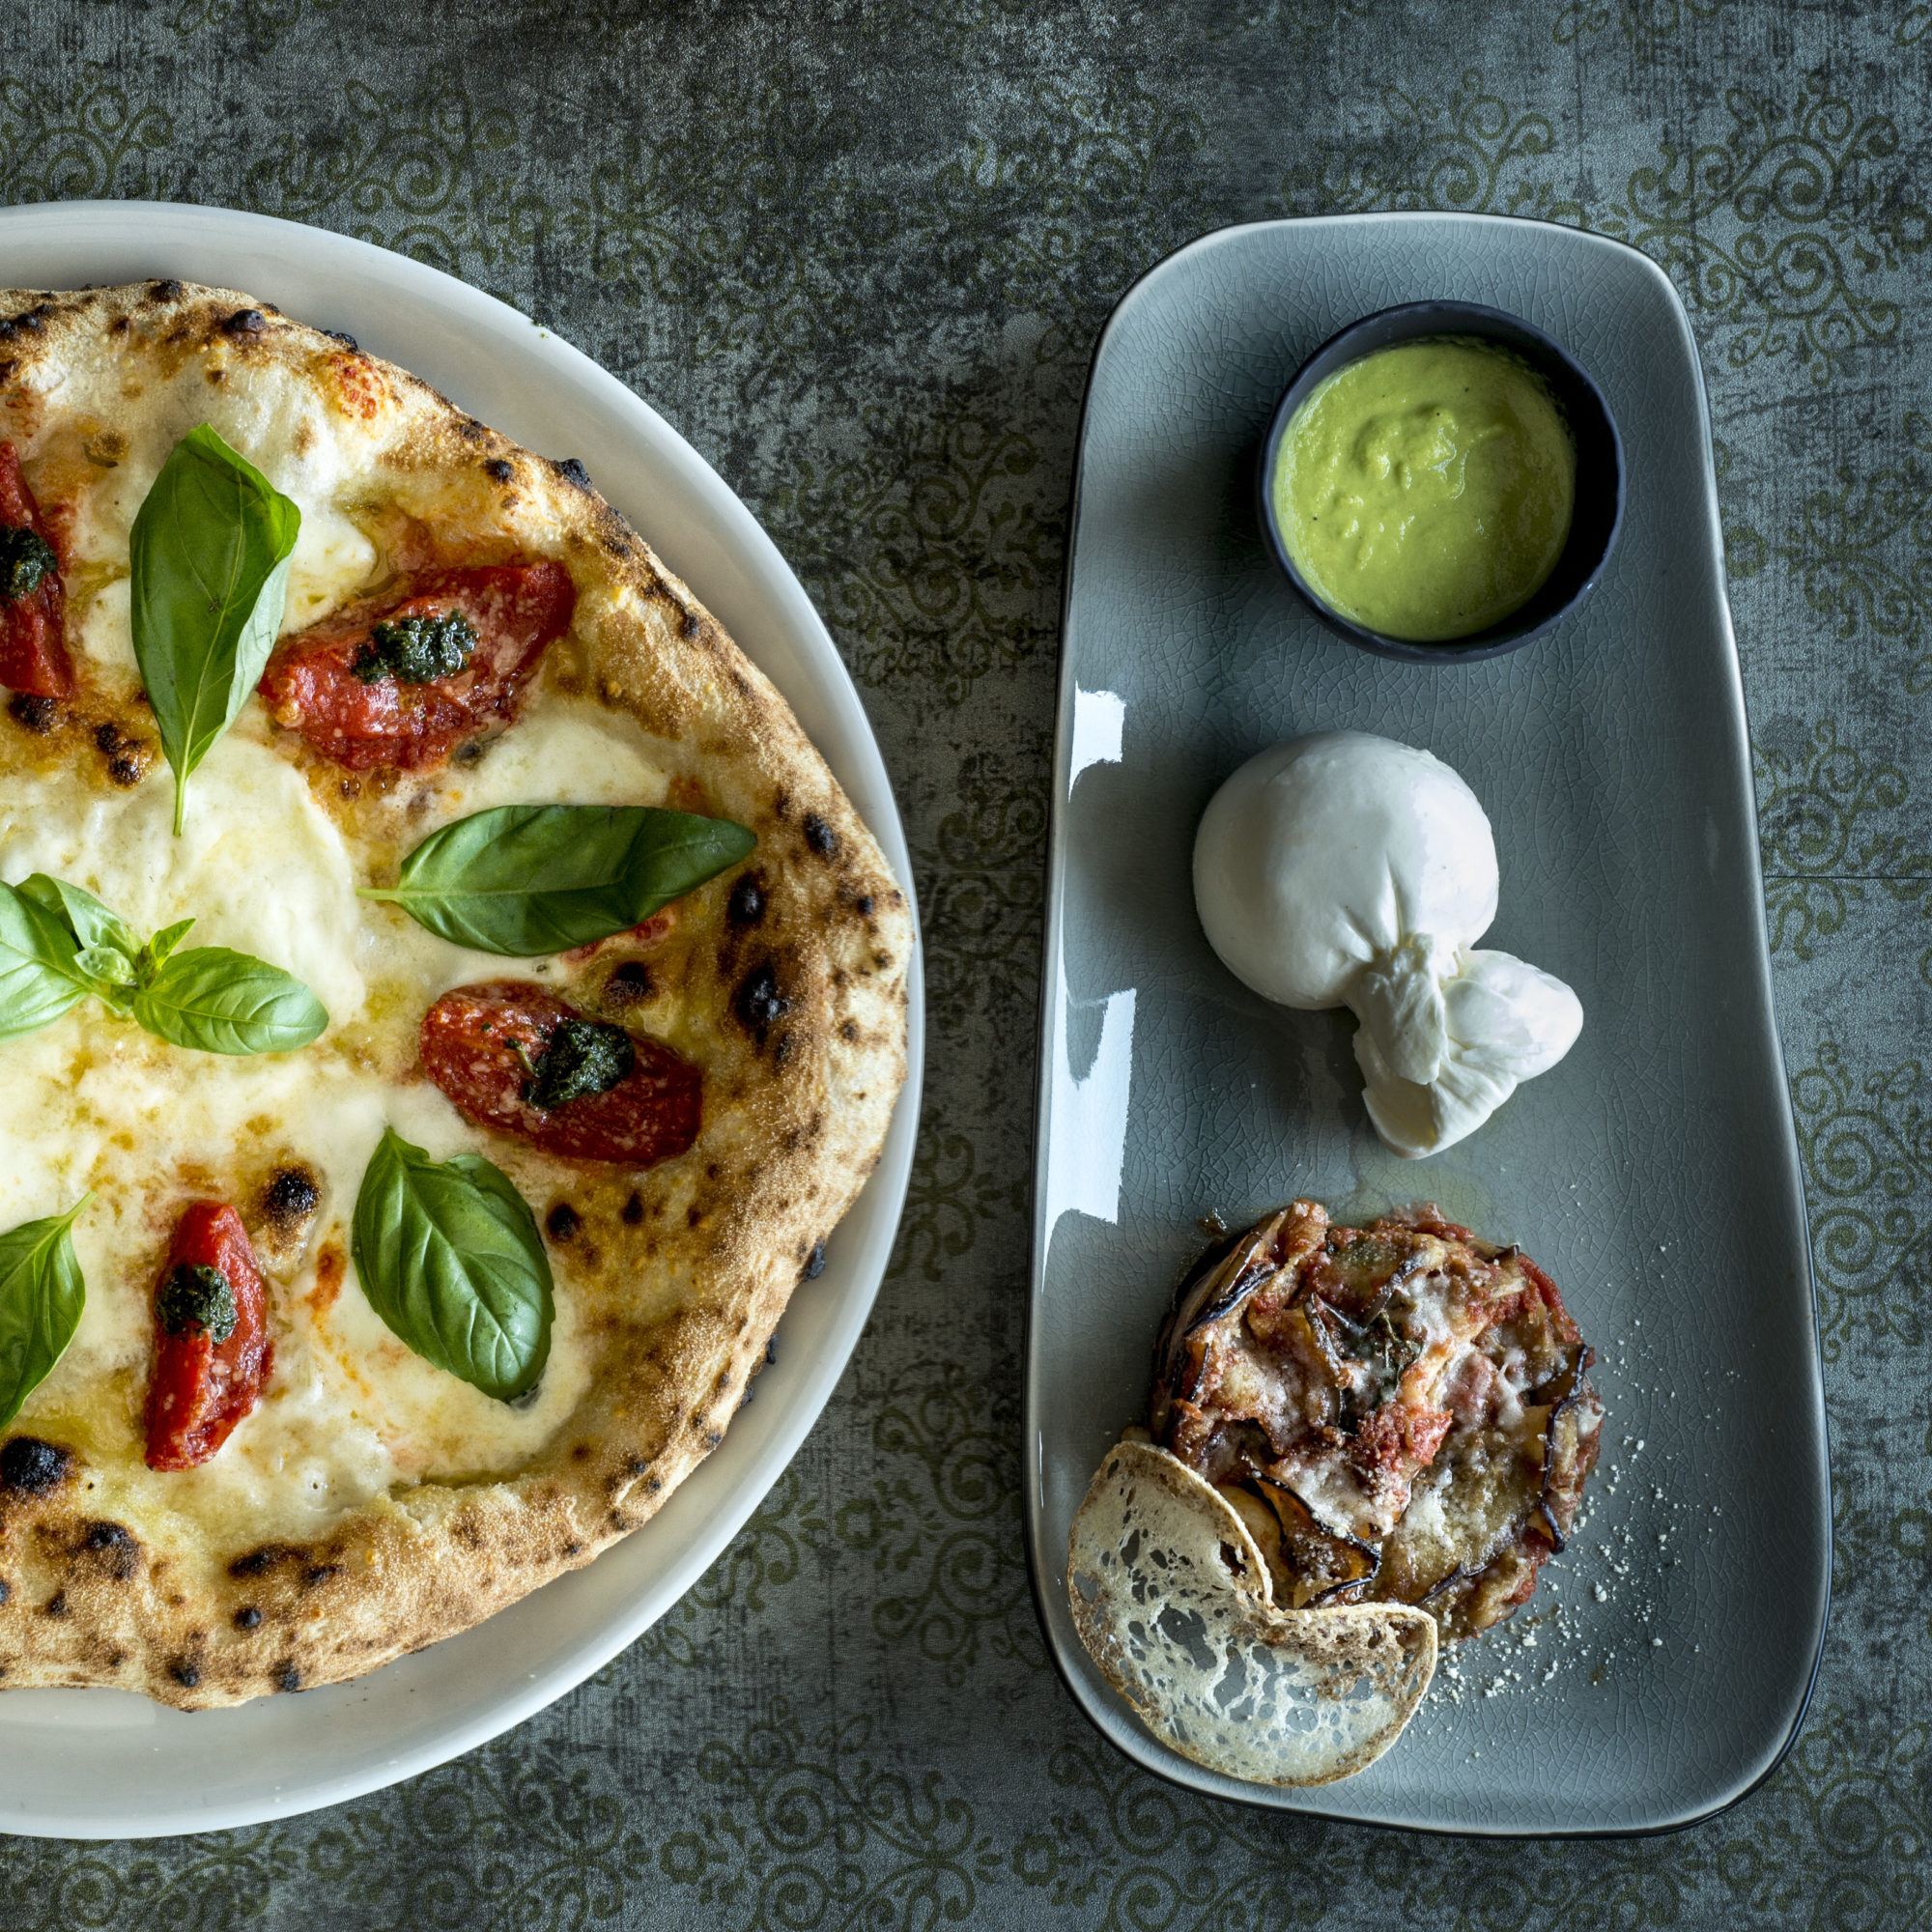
[(858, 252)]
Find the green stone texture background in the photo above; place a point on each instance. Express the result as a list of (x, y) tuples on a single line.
[(859, 252)]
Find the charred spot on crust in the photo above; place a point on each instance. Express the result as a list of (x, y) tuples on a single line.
[(562, 1221), (30, 319), (6, 1591), (107, 736), (187, 1675), (289, 1678), (818, 835), (759, 1005), (573, 471), (37, 715), (57, 1604), (257, 1561), (634, 1208), (342, 336), (247, 1617), (119, 1547), (319, 1573), (782, 1051), (499, 471), (864, 905), (166, 290), (33, 1466), (689, 627), (629, 984), (747, 904), (245, 322), (815, 1263)]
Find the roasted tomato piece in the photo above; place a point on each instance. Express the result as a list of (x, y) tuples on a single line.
[(33, 605), (402, 681), (512, 1057), (211, 1347)]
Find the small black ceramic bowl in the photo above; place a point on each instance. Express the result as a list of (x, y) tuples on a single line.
[(1599, 511)]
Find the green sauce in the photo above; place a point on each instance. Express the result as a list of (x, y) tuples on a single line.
[(1426, 491)]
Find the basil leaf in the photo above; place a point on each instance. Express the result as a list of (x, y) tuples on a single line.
[(41, 1295), (87, 919), (524, 879), (223, 1002), (154, 954), (449, 1256), (39, 978), (110, 975), (210, 556)]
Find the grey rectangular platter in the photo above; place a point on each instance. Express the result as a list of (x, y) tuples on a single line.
[(1662, 1668)]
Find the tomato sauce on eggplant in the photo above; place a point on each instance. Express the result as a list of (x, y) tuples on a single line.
[(1400, 1412)]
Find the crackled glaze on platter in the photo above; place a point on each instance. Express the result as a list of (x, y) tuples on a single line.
[(1654, 1172)]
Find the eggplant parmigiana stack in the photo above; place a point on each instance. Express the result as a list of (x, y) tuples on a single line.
[(1400, 1412)]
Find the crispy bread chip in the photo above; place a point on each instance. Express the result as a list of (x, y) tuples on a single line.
[(1172, 1598)]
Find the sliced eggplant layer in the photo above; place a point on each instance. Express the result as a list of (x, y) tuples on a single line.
[(1399, 1413)]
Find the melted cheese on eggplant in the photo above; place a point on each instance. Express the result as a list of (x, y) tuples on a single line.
[(94, 1102)]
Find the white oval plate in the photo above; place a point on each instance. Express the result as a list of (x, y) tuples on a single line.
[(108, 1764)]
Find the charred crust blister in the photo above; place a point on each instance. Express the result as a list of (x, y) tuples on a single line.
[(573, 471), (562, 1221), (759, 1004), (245, 322), (346, 340), (629, 984), (815, 1263), (118, 1548), (33, 1466), (258, 1562), (247, 1617), (747, 903), (499, 471), (166, 290), (184, 1673), (818, 835)]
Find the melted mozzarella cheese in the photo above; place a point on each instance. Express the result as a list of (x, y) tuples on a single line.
[(95, 1103), (258, 866)]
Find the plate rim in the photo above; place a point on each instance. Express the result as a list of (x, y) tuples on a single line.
[(175, 231), (1113, 1719)]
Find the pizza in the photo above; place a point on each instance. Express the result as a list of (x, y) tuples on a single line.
[(446, 1005)]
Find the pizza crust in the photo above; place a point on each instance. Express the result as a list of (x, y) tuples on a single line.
[(686, 1268)]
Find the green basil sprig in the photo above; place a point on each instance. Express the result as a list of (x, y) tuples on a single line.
[(41, 1295), (59, 945), (525, 879), (449, 1256), (210, 556)]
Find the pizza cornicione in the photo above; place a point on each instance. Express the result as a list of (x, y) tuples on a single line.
[(445, 1006)]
